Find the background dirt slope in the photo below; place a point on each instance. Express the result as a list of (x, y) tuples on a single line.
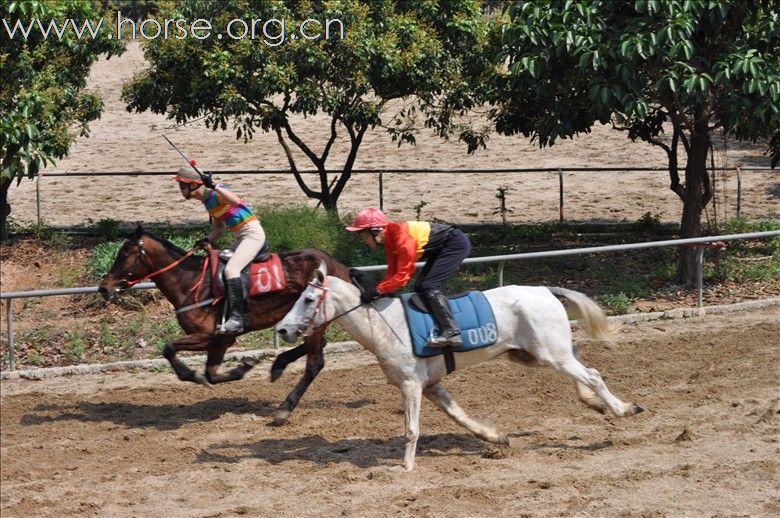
[(123, 141)]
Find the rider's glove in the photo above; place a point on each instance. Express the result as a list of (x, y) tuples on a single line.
[(369, 295), (207, 181), (203, 243)]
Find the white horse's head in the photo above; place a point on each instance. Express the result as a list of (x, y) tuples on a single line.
[(308, 312)]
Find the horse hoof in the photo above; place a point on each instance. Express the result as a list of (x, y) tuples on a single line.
[(276, 374), (201, 379), (503, 440), (249, 364), (638, 409), (280, 417)]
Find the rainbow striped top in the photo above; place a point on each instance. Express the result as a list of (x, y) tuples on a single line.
[(234, 217)]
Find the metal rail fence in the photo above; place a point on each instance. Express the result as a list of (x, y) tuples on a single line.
[(700, 243), (381, 172)]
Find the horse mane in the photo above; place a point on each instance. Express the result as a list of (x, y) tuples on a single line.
[(191, 263), (166, 243)]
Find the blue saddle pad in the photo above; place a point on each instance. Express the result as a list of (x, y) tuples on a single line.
[(473, 314)]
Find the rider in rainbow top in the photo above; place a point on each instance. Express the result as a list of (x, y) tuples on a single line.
[(230, 212)]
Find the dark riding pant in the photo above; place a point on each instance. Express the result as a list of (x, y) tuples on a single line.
[(443, 262)]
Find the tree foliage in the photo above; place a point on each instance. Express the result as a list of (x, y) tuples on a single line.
[(43, 105), (416, 57), (644, 66)]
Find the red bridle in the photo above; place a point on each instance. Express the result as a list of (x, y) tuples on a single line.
[(142, 252), (320, 303)]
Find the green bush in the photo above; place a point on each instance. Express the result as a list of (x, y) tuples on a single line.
[(617, 304), (293, 228)]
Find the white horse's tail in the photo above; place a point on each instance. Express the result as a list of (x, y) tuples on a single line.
[(587, 311)]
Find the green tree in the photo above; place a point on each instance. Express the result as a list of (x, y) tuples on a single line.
[(43, 105), (645, 66), (420, 54)]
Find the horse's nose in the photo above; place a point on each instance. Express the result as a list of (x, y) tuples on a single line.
[(286, 334)]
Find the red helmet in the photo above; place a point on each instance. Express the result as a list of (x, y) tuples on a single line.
[(369, 218)]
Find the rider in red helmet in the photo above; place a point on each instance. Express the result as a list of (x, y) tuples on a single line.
[(442, 247), (228, 211)]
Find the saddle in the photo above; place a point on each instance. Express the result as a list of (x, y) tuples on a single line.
[(417, 302), (472, 312), (265, 274)]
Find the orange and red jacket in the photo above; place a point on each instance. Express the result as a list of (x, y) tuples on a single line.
[(405, 243)]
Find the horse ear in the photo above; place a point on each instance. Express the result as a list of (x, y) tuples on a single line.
[(322, 271), (139, 231)]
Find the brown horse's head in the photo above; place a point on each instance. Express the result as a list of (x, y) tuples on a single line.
[(133, 262)]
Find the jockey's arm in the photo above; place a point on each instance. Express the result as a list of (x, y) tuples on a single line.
[(402, 255), (227, 195), (217, 230)]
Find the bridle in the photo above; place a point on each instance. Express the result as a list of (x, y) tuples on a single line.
[(310, 324), (141, 255)]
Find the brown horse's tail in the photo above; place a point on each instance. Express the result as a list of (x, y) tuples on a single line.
[(587, 311)]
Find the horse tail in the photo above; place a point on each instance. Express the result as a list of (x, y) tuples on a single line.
[(587, 311)]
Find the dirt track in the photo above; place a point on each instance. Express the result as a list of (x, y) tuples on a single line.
[(143, 444)]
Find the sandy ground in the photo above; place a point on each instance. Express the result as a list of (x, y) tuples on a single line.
[(121, 141), (144, 444)]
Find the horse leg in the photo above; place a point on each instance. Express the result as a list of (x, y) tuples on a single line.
[(191, 342), (585, 394), (217, 348), (412, 394), (439, 395), (284, 359), (314, 364), (592, 380)]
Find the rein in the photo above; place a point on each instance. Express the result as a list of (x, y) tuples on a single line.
[(174, 264), (321, 305), (161, 270)]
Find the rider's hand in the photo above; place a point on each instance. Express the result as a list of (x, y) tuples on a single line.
[(207, 181), (369, 295), (204, 243)]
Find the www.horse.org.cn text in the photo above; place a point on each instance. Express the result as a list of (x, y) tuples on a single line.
[(272, 31)]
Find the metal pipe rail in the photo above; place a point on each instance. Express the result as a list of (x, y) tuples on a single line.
[(500, 259)]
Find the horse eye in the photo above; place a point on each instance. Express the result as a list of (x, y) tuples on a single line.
[(308, 300)]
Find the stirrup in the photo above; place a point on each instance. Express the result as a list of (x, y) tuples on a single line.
[(232, 325), (438, 342)]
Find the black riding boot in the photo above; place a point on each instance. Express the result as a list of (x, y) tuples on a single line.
[(449, 332), (235, 292)]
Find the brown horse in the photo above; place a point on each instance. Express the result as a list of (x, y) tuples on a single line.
[(144, 255)]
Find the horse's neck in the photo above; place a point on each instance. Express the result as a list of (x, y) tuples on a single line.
[(345, 297), (175, 284)]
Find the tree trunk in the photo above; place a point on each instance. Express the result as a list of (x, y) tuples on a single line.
[(697, 195), (5, 209), (329, 201)]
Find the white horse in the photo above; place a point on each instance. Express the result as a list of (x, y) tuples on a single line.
[(532, 328)]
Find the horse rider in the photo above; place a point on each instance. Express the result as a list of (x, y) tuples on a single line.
[(443, 247), (229, 211)]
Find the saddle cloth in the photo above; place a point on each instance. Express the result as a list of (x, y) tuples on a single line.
[(264, 274), (473, 314)]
